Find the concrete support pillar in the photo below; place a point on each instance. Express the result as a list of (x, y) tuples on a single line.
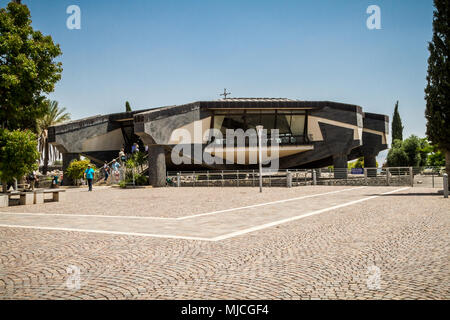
[(67, 158), (370, 161), (157, 166), (340, 166)]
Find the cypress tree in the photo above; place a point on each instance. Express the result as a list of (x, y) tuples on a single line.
[(437, 91), (397, 128), (127, 107)]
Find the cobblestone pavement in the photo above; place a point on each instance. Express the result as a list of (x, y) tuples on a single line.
[(395, 246)]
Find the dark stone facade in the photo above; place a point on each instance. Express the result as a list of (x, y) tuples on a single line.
[(334, 134)]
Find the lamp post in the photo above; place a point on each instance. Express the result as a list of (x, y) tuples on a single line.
[(259, 130)]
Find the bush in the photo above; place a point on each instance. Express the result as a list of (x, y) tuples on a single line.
[(76, 169), (411, 152), (122, 184), (18, 154), (140, 180)]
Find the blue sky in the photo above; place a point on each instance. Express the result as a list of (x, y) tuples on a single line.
[(155, 53)]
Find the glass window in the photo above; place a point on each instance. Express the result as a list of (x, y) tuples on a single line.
[(288, 122), (298, 125)]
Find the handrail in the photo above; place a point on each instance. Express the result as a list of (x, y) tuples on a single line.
[(102, 175)]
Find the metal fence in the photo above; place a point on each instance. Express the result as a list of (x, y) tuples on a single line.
[(398, 176)]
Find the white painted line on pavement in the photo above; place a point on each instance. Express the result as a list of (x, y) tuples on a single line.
[(267, 203), (275, 223), (219, 238), (107, 232), (185, 217)]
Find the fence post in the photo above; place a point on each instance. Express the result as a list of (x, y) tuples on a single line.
[(223, 182), (237, 177), (178, 179), (445, 185), (314, 177), (411, 176), (387, 177), (193, 178), (289, 179), (207, 178), (432, 178), (365, 176), (253, 178)]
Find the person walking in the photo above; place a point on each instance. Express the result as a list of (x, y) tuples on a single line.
[(122, 156), (89, 176), (32, 178), (106, 171), (115, 170)]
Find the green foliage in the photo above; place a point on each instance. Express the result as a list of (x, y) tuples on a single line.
[(130, 163), (136, 160), (437, 91), (411, 146), (18, 154), (76, 169), (436, 159), (123, 184), (140, 158), (359, 163), (27, 68), (424, 150), (397, 157), (127, 107), (397, 128), (412, 152), (140, 180)]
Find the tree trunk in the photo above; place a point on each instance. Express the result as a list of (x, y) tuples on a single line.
[(447, 162), (46, 155), (4, 187)]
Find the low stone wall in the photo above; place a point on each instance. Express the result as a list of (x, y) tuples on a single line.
[(376, 181)]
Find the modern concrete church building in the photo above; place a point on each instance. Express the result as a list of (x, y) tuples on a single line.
[(311, 134)]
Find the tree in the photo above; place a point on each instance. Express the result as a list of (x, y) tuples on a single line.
[(397, 128), (53, 115), (397, 157), (127, 107), (27, 68), (411, 146), (425, 150), (436, 159), (18, 154), (76, 169), (412, 152), (437, 91)]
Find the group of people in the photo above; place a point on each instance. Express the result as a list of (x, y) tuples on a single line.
[(113, 169)]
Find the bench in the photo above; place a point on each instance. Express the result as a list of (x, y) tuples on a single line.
[(37, 196), (57, 194)]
